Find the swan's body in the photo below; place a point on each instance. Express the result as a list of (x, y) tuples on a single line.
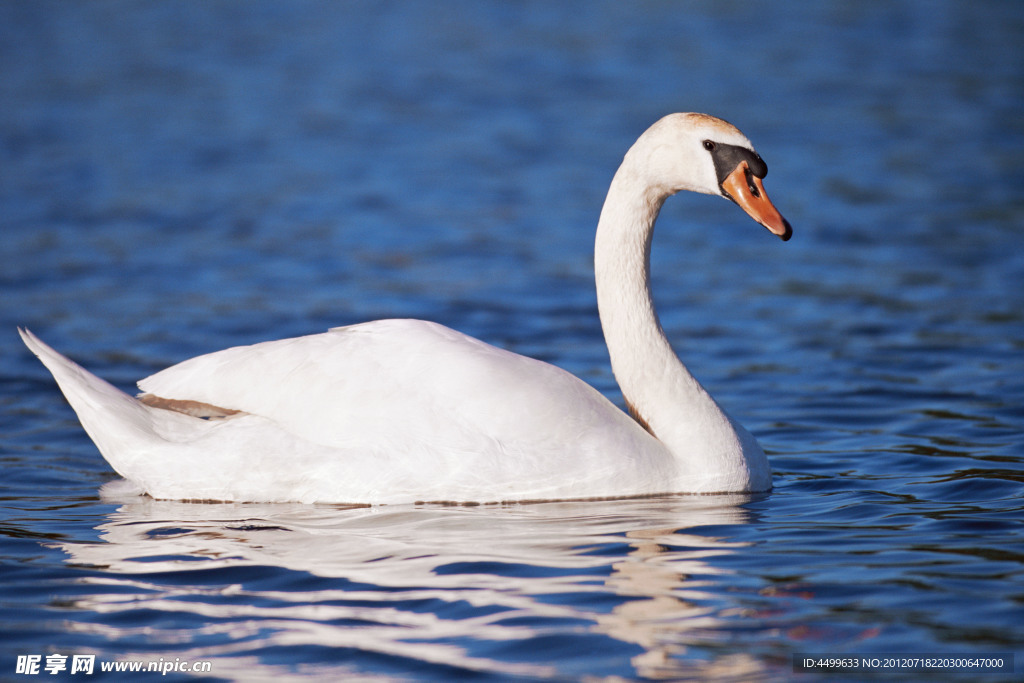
[(398, 411)]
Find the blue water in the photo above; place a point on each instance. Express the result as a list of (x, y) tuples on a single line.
[(176, 178)]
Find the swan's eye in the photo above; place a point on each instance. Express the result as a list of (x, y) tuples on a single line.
[(709, 145)]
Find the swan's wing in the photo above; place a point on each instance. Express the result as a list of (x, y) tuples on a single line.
[(394, 385)]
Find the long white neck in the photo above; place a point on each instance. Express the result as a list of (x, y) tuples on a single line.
[(660, 391)]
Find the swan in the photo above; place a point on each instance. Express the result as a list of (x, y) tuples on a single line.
[(405, 411)]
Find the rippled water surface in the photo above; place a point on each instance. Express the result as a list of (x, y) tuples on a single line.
[(177, 178)]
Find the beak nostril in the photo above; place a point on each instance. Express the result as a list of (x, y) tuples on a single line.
[(751, 185)]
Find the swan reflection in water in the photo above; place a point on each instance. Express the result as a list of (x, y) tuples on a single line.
[(455, 586)]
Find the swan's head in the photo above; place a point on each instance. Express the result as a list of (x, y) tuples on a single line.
[(701, 153)]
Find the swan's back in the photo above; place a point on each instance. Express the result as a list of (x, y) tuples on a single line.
[(399, 378)]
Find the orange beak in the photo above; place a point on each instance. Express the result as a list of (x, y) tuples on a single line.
[(744, 188)]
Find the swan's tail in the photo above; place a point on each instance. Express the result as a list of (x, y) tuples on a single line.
[(119, 425)]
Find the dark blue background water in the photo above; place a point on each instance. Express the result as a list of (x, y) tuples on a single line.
[(177, 178)]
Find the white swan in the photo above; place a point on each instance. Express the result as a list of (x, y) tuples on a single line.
[(399, 411)]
